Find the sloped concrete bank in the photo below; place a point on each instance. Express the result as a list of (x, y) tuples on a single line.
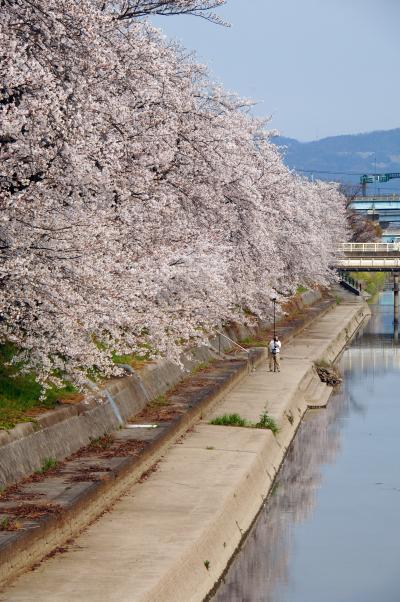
[(170, 538), (246, 491), (69, 497), (77, 491), (63, 431)]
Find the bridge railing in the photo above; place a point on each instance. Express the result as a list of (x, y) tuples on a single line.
[(369, 247), (345, 277), (377, 197), (382, 264)]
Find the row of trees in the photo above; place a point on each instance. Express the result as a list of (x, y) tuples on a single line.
[(141, 205)]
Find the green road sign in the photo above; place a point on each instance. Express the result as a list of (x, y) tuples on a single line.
[(384, 177)]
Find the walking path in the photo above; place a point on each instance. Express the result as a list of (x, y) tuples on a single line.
[(170, 537)]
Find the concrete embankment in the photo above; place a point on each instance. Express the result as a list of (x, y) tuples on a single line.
[(61, 432), (170, 537), (52, 507)]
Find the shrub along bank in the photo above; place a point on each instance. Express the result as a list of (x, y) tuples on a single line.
[(372, 282)]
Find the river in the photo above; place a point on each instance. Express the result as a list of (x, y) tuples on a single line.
[(330, 530)]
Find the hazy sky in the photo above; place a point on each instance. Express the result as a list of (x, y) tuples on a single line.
[(318, 67)]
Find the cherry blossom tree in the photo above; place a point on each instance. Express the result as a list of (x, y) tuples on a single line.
[(141, 206), (362, 228), (130, 9)]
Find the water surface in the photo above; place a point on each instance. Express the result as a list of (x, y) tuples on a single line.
[(330, 532)]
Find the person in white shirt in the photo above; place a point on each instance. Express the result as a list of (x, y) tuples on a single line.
[(274, 349)]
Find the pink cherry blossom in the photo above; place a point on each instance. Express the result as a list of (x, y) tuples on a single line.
[(142, 206)]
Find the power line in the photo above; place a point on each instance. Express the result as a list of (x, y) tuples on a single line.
[(338, 173)]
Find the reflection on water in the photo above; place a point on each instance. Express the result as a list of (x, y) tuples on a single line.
[(330, 531)]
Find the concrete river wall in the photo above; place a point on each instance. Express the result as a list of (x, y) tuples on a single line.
[(63, 431), (330, 531), (170, 537)]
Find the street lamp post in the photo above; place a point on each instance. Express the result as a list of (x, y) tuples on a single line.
[(274, 302)]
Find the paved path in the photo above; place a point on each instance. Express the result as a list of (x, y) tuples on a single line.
[(177, 527)]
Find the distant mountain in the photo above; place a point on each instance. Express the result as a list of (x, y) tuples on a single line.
[(346, 157)]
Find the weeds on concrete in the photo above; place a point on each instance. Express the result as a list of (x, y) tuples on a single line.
[(207, 564), (4, 523), (159, 402), (267, 422), (229, 420), (101, 443), (47, 464), (200, 367), (9, 525)]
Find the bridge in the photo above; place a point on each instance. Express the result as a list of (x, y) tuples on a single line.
[(382, 208), (372, 257), (369, 257)]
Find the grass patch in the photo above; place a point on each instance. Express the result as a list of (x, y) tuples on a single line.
[(229, 420), (301, 289), (200, 367), (47, 464), (20, 393), (9, 417), (135, 360), (265, 422)]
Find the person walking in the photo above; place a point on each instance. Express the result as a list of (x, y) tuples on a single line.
[(274, 349)]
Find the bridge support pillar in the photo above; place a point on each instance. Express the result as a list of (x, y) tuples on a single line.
[(396, 297)]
